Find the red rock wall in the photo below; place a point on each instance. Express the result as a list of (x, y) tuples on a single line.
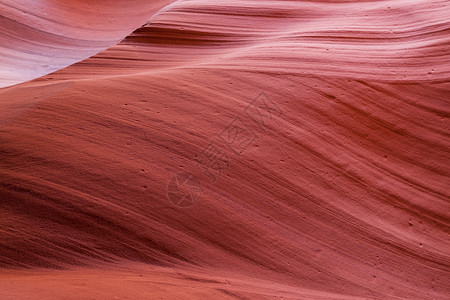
[(162, 149)]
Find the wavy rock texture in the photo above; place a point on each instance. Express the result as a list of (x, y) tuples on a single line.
[(42, 36), (237, 149)]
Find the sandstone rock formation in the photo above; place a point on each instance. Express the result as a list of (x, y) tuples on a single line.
[(227, 150)]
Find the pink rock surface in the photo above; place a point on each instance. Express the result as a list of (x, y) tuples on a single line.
[(41, 36), (235, 149)]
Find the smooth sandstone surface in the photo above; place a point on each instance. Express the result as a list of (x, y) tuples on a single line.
[(38, 37), (233, 150)]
